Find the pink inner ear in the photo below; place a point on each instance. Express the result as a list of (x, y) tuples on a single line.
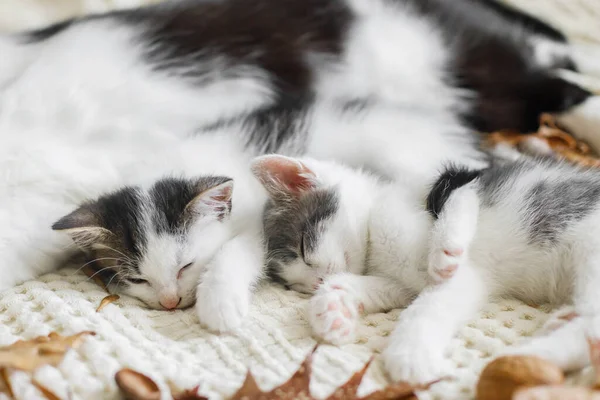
[(288, 174)]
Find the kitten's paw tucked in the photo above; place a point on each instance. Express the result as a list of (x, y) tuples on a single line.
[(415, 362), (333, 314), (221, 309), (444, 261)]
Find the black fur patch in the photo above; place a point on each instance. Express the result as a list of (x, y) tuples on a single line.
[(40, 35), (450, 180), (495, 62), (170, 196), (273, 35)]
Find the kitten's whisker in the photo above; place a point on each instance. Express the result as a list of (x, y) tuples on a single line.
[(97, 272), (117, 251), (93, 261)]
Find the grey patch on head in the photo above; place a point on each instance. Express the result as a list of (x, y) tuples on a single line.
[(498, 179), (288, 223), (553, 206), (169, 198), (115, 255)]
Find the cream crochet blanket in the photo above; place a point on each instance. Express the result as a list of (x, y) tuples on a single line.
[(171, 346)]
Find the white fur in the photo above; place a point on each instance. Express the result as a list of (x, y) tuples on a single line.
[(407, 249)]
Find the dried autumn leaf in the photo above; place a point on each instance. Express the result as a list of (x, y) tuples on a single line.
[(111, 298), (501, 378), (44, 350), (563, 144), (136, 386), (190, 394), (399, 391), (45, 391), (556, 392), (6, 386), (295, 388), (594, 345)]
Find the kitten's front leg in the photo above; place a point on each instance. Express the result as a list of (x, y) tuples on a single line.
[(336, 306), (416, 350), (453, 233), (224, 292)]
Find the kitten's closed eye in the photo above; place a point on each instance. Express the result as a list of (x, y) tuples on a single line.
[(303, 251), (137, 281), (181, 271)]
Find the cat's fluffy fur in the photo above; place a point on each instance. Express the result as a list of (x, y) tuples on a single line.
[(193, 88), (525, 229)]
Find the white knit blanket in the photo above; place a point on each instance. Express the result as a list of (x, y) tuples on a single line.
[(171, 346)]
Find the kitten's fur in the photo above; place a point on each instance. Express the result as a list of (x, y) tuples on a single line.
[(90, 105), (526, 229)]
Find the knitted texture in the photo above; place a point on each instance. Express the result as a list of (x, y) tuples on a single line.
[(172, 348)]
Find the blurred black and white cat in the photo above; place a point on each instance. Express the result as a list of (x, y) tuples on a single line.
[(100, 111)]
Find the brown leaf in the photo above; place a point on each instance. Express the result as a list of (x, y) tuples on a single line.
[(563, 144), (107, 300), (501, 378), (297, 387), (45, 391), (556, 392), (6, 386), (190, 394), (44, 350), (349, 389), (594, 345), (140, 387), (399, 391), (136, 386)]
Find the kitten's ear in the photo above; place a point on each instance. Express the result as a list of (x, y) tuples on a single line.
[(214, 201), (83, 226), (282, 175)]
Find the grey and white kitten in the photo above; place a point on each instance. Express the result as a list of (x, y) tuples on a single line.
[(92, 105), (526, 229)]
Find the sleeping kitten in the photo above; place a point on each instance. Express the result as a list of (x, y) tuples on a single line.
[(526, 229), (95, 104)]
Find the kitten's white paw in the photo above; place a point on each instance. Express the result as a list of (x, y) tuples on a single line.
[(445, 260), (415, 361), (221, 309), (333, 314)]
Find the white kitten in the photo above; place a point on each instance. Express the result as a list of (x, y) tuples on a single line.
[(525, 229)]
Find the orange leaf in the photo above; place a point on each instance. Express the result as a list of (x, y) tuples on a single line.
[(190, 394), (111, 298), (556, 393), (399, 391), (44, 350), (595, 358), (136, 386), (295, 388), (45, 391)]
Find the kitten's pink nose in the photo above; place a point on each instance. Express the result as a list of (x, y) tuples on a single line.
[(170, 302)]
